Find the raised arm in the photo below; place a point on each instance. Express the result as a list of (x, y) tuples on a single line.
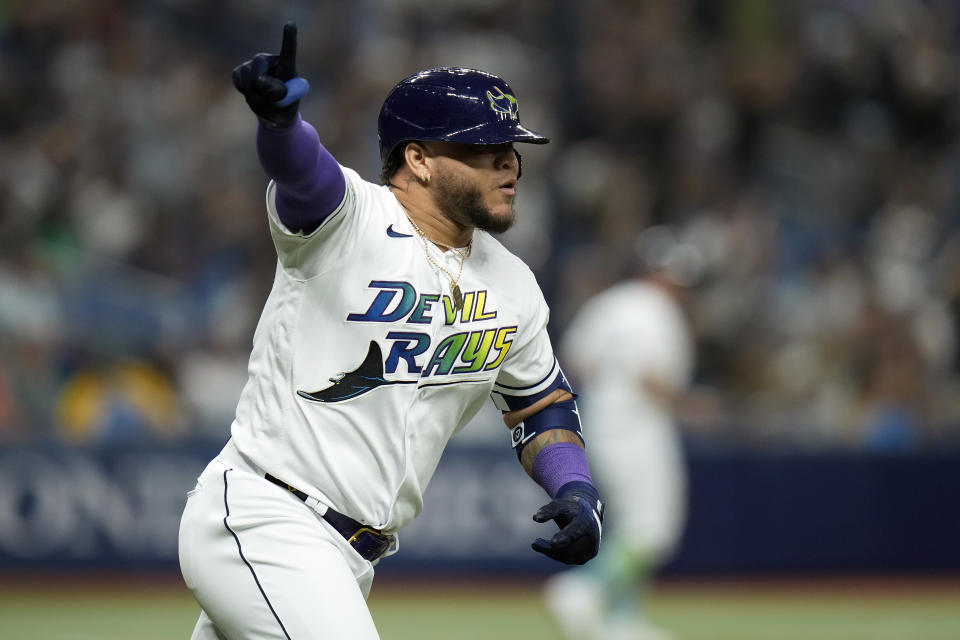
[(310, 183)]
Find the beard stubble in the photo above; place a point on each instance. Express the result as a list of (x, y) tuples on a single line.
[(463, 203)]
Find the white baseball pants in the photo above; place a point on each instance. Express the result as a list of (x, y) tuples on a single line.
[(263, 565)]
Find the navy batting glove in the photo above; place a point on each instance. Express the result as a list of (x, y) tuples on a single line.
[(578, 512), (263, 81)]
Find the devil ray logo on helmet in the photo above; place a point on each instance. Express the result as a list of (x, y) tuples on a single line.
[(503, 103)]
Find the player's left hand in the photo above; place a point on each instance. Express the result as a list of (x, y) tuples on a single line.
[(578, 512)]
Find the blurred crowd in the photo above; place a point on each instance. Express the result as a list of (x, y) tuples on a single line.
[(806, 151)]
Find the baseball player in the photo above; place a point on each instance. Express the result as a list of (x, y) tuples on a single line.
[(632, 349), (393, 315)]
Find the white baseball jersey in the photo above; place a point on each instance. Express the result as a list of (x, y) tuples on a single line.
[(362, 369), (632, 332)]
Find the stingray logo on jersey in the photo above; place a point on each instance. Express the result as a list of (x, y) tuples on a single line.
[(366, 377), (412, 353)]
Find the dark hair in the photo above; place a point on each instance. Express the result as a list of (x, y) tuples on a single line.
[(394, 161)]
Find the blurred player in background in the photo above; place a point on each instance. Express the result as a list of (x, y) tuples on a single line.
[(631, 352)]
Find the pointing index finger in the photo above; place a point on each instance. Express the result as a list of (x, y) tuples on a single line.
[(288, 49)]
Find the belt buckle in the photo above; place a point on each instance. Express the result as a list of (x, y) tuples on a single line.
[(380, 543), (362, 530)]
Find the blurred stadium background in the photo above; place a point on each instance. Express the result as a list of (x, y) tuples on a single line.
[(808, 150)]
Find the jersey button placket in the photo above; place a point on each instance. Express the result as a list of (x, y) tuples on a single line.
[(438, 324), (443, 259)]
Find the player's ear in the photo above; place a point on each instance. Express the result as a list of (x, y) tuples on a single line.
[(415, 156)]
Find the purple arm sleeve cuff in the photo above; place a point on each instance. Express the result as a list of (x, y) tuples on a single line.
[(310, 183), (560, 463)]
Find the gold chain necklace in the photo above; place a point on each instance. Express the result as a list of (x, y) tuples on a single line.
[(454, 282)]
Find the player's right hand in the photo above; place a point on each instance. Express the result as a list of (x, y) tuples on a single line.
[(262, 81)]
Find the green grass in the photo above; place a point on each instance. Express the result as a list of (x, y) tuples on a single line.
[(424, 611), (96, 614), (831, 613)]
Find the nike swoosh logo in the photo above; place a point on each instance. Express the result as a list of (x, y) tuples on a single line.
[(397, 234)]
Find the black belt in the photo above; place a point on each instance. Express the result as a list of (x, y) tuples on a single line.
[(368, 542)]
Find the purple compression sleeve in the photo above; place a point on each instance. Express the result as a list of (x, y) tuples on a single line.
[(560, 463), (310, 183)]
